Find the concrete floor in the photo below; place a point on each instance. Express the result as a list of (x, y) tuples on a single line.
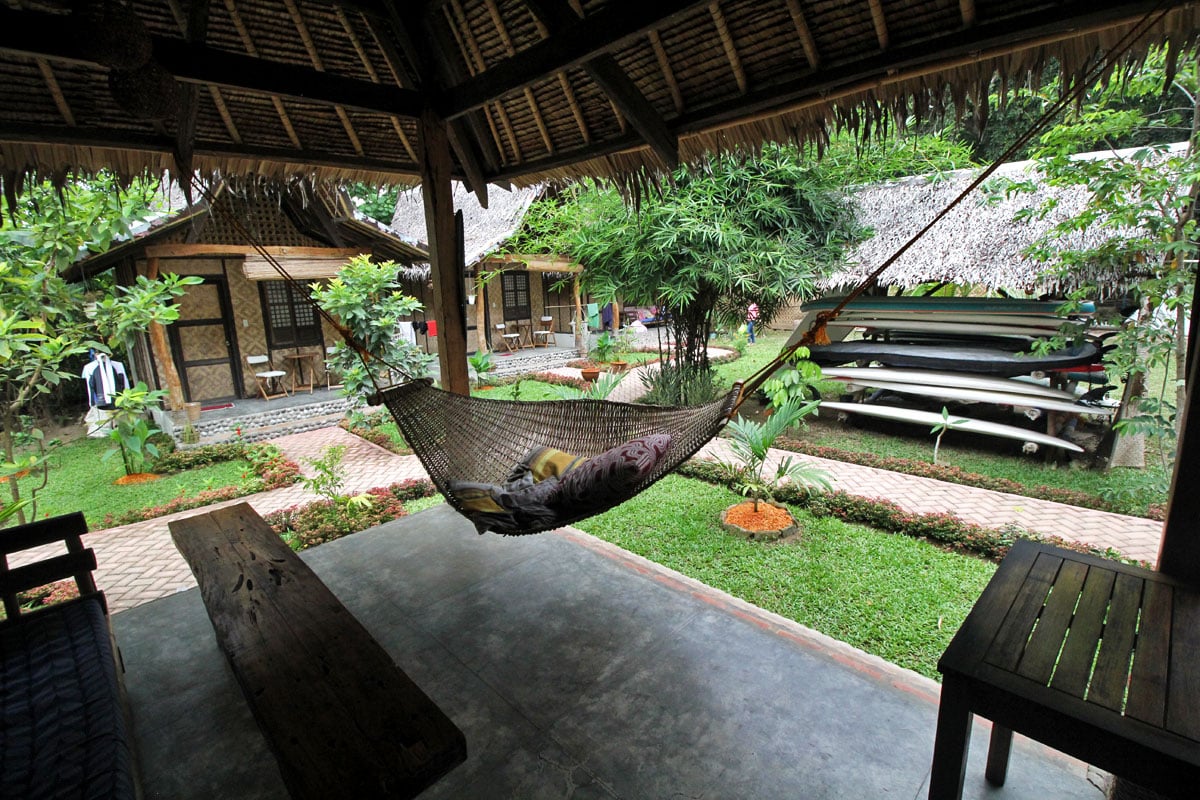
[(575, 670)]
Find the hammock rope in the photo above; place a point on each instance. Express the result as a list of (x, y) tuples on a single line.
[(462, 439)]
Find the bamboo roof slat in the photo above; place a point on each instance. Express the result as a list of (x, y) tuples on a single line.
[(707, 75)]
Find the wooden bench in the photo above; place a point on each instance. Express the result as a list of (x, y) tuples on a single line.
[(342, 719), (66, 729), (1092, 657)]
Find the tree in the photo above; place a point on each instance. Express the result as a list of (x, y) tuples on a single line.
[(727, 233), (1144, 203), (44, 329), (364, 298)]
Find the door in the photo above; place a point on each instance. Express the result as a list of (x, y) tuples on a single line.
[(201, 342)]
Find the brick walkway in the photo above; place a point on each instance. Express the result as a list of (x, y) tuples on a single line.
[(139, 563)]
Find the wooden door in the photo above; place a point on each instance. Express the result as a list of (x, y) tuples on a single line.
[(202, 342)]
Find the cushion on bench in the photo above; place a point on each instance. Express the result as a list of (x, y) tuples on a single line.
[(62, 730)]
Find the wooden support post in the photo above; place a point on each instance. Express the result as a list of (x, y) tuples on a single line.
[(481, 331), (1179, 551), (436, 167), (158, 343), (580, 322)]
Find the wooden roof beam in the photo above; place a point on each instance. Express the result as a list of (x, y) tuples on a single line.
[(735, 61), (664, 64), (248, 43), (881, 28), (498, 22), (52, 36), (967, 9), (315, 57), (373, 74), (811, 53), (613, 81), (60, 100), (572, 43)]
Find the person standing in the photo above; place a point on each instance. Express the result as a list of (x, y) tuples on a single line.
[(751, 318)]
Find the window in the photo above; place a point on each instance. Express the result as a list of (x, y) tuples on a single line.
[(515, 286), (290, 318)]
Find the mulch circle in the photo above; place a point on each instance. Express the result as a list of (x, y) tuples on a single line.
[(137, 477), (20, 474), (768, 523)]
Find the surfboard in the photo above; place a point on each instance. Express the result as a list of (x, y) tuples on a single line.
[(930, 326), (973, 425), (983, 396), (982, 318), (984, 360), (960, 380), (993, 305)]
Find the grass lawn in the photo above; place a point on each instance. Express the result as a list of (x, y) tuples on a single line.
[(81, 481), (899, 598)]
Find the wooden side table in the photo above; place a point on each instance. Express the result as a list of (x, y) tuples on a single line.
[(1092, 657)]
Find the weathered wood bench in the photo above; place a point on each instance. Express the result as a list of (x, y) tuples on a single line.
[(341, 718), (1097, 659), (64, 721)]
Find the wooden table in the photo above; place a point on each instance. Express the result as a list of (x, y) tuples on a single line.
[(342, 719), (1092, 657), (297, 370), (525, 329)]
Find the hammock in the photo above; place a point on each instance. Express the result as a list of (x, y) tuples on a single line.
[(522, 467), (464, 442)]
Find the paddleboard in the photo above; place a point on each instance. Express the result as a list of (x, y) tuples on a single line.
[(928, 326), (932, 378), (972, 425), (992, 305), (982, 318), (985, 360), (982, 396)]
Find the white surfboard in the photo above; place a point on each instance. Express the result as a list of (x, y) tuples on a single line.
[(966, 424), (982, 396), (961, 380), (932, 377), (960, 328), (983, 318)]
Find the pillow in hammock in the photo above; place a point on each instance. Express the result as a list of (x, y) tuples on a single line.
[(541, 463), (499, 507), (608, 478)]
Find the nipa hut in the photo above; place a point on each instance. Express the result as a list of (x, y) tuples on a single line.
[(501, 289), (244, 307)]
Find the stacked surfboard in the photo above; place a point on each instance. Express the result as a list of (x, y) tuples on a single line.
[(954, 350)]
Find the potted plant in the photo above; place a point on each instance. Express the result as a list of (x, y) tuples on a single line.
[(133, 433), (589, 371), (760, 517)]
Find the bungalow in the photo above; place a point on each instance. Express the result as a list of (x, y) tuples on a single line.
[(244, 308)]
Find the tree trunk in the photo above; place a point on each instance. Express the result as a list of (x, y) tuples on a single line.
[(158, 343)]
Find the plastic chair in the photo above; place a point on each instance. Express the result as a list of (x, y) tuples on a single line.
[(270, 383), (545, 333), (511, 341)]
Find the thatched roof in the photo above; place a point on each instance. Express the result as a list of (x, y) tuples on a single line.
[(484, 229), (980, 242), (535, 90), (247, 217)]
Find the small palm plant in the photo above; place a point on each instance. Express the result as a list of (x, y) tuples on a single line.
[(481, 364), (751, 444)]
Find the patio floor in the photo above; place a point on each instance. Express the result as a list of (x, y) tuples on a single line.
[(575, 669)]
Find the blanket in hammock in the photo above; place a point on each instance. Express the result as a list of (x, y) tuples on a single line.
[(549, 484)]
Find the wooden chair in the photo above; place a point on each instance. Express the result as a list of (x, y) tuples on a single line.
[(270, 380), (511, 341), (330, 376), (545, 333)]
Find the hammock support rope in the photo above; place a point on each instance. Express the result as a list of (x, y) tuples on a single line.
[(469, 439)]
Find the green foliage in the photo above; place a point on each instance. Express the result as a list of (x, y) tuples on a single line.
[(131, 309), (751, 443), (604, 347), (131, 431), (847, 160), (598, 389), (732, 231), (481, 364), (310, 524), (941, 428), (377, 202), (802, 380), (364, 297), (675, 384), (329, 482)]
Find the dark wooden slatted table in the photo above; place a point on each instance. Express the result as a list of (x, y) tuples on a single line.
[(342, 719), (1097, 659)]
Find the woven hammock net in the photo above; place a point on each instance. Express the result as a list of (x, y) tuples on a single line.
[(474, 439)]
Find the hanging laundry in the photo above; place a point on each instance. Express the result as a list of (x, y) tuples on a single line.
[(431, 325), (104, 378), (422, 328), (406, 332)]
